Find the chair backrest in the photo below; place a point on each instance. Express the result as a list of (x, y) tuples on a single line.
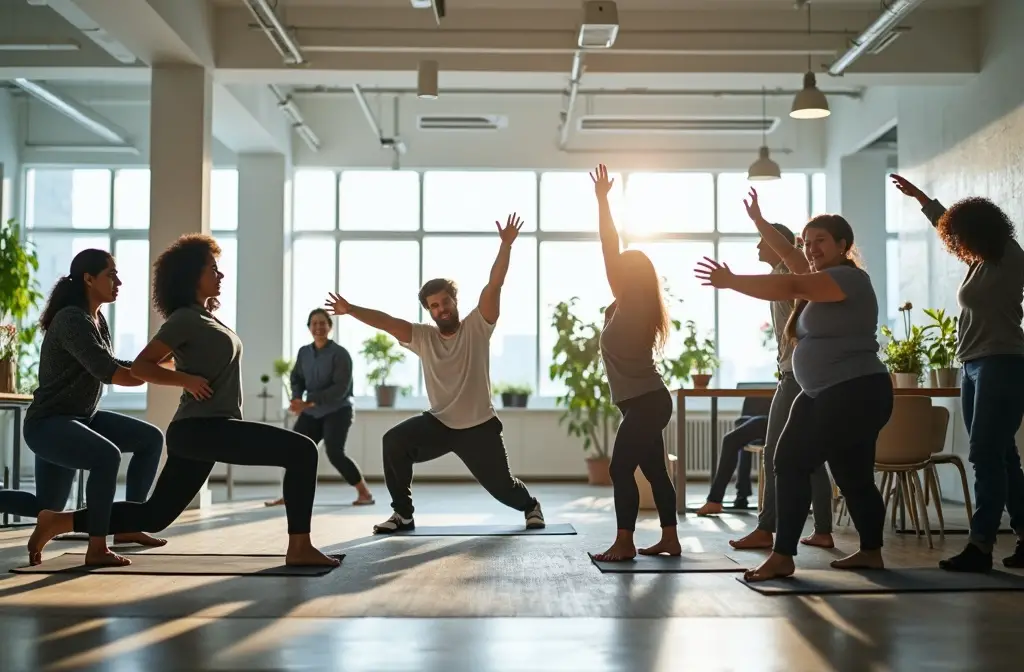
[(908, 437), (755, 406), (940, 425)]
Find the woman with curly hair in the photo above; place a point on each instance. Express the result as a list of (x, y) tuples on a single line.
[(990, 346), (208, 426)]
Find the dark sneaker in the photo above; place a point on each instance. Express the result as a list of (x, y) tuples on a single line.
[(971, 559), (1015, 561), (394, 524), (535, 518), (739, 503)]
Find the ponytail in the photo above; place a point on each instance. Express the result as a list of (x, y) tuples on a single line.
[(70, 290)]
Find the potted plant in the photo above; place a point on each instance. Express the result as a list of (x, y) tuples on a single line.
[(8, 358), (941, 347), (905, 357), (381, 354), (512, 395), (589, 411), (28, 358), (19, 294), (700, 355)]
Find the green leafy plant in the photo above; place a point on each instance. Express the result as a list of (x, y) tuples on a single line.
[(512, 388), (29, 341), (282, 371), (19, 292), (699, 355), (941, 335), (905, 355), (8, 342), (576, 363), (381, 354)]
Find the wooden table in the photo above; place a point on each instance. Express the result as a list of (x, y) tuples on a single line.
[(15, 403), (714, 394)]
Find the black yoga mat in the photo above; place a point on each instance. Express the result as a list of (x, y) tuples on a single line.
[(663, 564), (484, 531), (881, 581), (180, 565)]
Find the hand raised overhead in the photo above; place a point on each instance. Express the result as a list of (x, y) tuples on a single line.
[(512, 226), (602, 184), (907, 187), (753, 207), (713, 274), (337, 305)]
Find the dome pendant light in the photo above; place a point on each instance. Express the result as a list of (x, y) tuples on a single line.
[(764, 168), (810, 102)]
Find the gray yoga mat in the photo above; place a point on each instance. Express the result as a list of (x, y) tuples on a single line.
[(921, 580), (180, 565), (484, 531), (663, 564)]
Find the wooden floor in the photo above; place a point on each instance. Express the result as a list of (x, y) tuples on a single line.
[(484, 604)]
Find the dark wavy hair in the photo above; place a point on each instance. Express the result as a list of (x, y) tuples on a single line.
[(70, 289), (838, 229), (436, 286), (319, 311), (176, 273), (976, 229)]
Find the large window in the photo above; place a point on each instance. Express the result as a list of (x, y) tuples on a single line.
[(69, 210), (893, 218), (377, 235)]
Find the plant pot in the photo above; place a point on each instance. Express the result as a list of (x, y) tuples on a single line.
[(8, 369), (701, 381), (904, 380), (513, 400), (946, 377), (386, 395), (598, 471)]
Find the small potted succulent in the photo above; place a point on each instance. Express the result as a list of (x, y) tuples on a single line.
[(941, 348), (382, 354), (513, 395), (905, 357), (700, 355)]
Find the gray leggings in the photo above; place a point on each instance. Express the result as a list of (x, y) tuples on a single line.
[(821, 484)]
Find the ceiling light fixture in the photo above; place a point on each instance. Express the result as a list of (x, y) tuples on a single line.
[(764, 168), (426, 80), (810, 102)]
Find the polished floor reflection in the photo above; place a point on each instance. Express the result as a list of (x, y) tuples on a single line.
[(483, 603)]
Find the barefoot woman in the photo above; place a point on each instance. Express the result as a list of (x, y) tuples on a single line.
[(63, 425), (636, 325), (208, 425), (846, 393)]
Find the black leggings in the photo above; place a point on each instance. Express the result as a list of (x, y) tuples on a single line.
[(839, 426), (194, 445), (639, 443), (333, 429)]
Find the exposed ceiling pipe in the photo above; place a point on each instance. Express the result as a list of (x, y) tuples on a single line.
[(74, 111), (275, 31), (529, 51), (74, 15), (575, 75), (660, 150), (294, 115), (394, 144), (892, 13), (591, 93)]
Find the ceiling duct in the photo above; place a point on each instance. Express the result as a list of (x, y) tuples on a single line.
[(678, 125), (490, 122), (877, 36)]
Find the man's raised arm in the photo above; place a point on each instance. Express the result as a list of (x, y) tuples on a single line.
[(490, 297), (401, 330)]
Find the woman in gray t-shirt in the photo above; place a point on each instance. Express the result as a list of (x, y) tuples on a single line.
[(207, 427), (846, 396)]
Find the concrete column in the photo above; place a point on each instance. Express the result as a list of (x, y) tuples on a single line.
[(862, 203), (262, 180), (179, 159)]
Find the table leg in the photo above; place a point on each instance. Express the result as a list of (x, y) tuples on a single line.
[(714, 438), (16, 458), (681, 455)]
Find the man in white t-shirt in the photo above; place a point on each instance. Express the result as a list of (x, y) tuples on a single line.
[(456, 371)]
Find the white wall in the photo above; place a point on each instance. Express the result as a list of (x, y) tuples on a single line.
[(10, 144)]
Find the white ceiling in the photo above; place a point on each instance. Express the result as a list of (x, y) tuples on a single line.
[(623, 5)]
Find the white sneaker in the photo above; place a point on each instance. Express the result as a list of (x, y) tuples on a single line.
[(394, 524)]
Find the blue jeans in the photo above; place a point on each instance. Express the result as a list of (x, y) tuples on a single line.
[(992, 397), (64, 444)]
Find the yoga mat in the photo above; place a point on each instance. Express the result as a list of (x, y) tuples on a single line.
[(920, 580), (693, 504), (483, 531), (663, 564), (180, 565)]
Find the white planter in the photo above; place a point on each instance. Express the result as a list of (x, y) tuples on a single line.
[(906, 379), (943, 377)]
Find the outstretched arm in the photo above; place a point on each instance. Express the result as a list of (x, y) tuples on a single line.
[(932, 209), (819, 287), (400, 330), (790, 254), (490, 297), (610, 248)]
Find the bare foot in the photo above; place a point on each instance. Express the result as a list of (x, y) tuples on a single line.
[(364, 501), (819, 540), (274, 502), (140, 538), (758, 539), (302, 553), (666, 546), (776, 566), (105, 558), (710, 509), (48, 525), (620, 551), (860, 560)]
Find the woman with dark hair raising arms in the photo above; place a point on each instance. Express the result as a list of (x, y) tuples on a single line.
[(990, 345), (63, 425), (846, 393), (635, 328), (208, 425)]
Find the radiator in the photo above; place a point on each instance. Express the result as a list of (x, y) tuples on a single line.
[(698, 443)]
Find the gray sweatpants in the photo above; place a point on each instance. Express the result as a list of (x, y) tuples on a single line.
[(821, 484)]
